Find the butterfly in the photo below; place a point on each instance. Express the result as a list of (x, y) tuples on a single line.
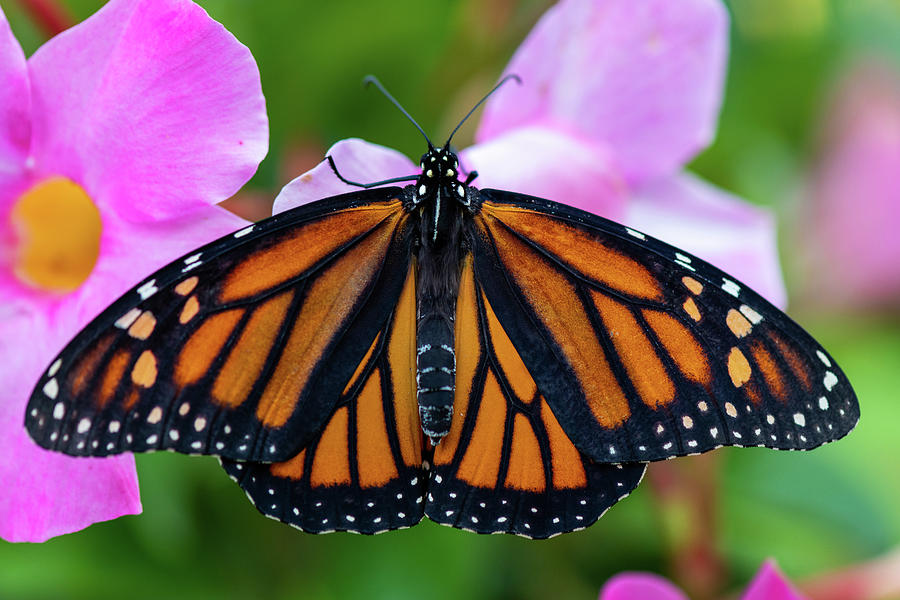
[(497, 362)]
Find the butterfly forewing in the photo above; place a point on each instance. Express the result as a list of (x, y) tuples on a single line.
[(643, 351), (363, 471), (240, 349), (506, 465)]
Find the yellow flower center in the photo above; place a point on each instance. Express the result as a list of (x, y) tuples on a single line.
[(58, 228)]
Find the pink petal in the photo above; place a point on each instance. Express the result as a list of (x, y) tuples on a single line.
[(645, 78), (855, 203), (550, 164), (356, 160), (15, 102), (13, 184), (770, 584), (640, 586), (44, 493), (735, 236), (151, 106)]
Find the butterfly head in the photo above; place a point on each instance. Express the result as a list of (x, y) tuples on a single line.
[(439, 177)]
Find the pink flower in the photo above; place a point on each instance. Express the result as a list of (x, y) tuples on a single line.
[(616, 97), (768, 584), (854, 203), (116, 137)]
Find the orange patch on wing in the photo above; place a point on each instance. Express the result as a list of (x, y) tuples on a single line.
[(753, 394), (143, 326), (481, 463), (246, 359), (568, 470), (331, 464), (362, 366), (554, 299), (526, 467), (131, 399), (329, 301), (692, 284), (513, 368), (84, 369), (145, 370), (187, 286), (297, 250), (771, 373), (795, 362), (373, 450), (690, 307), (402, 359), (577, 248), (681, 345), (468, 344), (738, 367), (115, 370), (738, 323), (291, 468), (189, 310), (201, 349), (644, 367)]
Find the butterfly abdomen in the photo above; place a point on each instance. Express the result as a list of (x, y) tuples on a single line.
[(435, 373)]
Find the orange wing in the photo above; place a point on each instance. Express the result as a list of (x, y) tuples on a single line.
[(642, 351), (363, 471), (241, 349), (506, 465)]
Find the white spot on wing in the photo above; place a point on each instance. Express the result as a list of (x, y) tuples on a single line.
[(51, 388), (830, 380), (54, 367), (799, 419), (753, 316), (192, 258), (244, 231), (636, 234), (155, 415), (58, 411), (731, 287), (823, 358), (128, 318), (823, 403), (148, 289)]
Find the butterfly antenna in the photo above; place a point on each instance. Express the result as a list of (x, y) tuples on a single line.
[(372, 80), (480, 102)]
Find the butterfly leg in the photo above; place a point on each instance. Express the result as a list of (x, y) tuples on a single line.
[(367, 185)]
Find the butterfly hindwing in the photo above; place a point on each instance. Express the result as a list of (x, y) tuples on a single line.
[(240, 349), (506, 465), (643, 351), (363, 471)]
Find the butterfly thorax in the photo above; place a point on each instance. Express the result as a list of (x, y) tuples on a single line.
[(440, 200), (439, 195)]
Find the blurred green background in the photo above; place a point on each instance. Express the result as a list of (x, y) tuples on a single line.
[(814, 512)]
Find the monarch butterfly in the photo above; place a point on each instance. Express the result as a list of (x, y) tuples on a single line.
[(495, 361)]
